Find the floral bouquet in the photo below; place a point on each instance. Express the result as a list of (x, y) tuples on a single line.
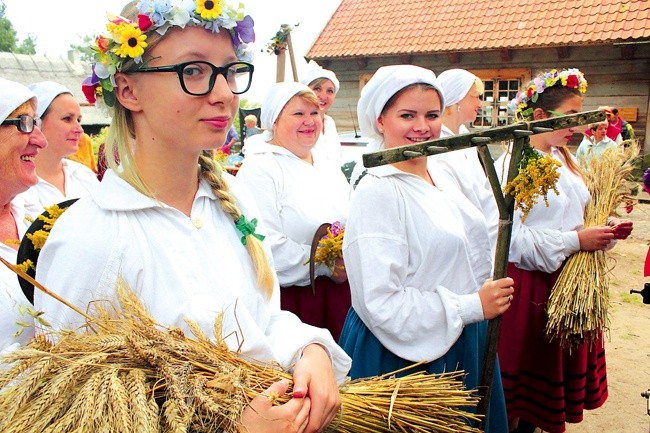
[(330, 247), (278, 43), (537, 176)]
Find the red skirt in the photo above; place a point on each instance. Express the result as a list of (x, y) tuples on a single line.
[(326, 307), (543, 383)]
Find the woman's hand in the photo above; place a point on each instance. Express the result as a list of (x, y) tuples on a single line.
[(595, 238), (261, 416), (339, 275), (313, 377), (622, 228), (496, 297)]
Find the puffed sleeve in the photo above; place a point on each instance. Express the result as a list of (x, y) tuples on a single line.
[(419, 320)]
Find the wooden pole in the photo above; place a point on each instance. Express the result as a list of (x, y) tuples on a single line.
[(292, 59), (282, 60)]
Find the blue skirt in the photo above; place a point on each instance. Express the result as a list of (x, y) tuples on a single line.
[(371, 358)]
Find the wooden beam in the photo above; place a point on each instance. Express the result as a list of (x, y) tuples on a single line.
[(362, 62), (563, 52), (627, 52), (506, 55), (454, 57), (405, 59)]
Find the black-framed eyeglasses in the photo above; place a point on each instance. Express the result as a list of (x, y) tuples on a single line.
[(197, 78), (25, 123)]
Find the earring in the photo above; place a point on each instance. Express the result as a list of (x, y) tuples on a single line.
[(458, 108)]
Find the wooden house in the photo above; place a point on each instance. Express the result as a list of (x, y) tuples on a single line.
[(505, 43)]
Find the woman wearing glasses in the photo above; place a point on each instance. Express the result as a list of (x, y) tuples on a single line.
[(21, 140), (181, 233), (59, 179)]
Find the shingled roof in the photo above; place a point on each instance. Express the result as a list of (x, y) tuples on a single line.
[(372, 28)]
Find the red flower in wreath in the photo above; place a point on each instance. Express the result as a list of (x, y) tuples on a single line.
[(102, 43), (572, 81), (144, 22)]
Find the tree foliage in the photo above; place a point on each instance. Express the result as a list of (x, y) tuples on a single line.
[(8, 40)]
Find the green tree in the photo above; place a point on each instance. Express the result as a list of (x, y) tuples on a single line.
[(86, 53), (8, 41), (7, 32)]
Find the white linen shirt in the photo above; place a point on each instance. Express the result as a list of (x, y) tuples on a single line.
[(415, 258), (294, 198), (549, 234), (463, 171), (79, 181), (11, 295), (179, 267)]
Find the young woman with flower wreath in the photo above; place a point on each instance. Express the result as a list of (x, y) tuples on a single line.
[(167, 221), (545, 385)]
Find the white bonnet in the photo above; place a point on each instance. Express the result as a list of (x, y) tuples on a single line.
[(315, 72), (45, 92), (12, 96), (275, 100), (456, 84), (387, 81)]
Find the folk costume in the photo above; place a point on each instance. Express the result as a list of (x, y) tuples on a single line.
[(545, 384), (416, 256), (179, 267), (295, 198), (462, 169)]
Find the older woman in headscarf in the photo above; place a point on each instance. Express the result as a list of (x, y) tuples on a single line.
[(297, 190), (462, 170), (417, 256), (325, 85), (21, 140), (59, 178)]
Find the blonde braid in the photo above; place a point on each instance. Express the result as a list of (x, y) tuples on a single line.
[(211, 172)]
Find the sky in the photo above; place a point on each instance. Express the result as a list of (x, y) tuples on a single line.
[(56, 24)]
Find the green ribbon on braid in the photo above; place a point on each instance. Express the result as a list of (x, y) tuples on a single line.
[(247, 228)]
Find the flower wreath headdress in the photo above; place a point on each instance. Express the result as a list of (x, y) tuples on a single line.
[(126, 40), (571, 78)]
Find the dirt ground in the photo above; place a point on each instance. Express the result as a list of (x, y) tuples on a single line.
[(628, 347)]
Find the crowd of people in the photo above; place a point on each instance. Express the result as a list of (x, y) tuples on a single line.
[(414, 282)]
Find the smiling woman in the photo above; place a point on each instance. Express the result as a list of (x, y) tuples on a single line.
[(21, 141), (180, 233), (297, 190)]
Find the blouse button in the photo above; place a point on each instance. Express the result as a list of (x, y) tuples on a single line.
[(198, 222)]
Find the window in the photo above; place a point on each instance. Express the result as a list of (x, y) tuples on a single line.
[(501, 86)]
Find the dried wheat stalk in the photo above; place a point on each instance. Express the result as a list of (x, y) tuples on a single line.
[(132, 374), (577, 308)]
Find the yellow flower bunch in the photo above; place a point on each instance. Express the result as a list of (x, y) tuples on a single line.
[(39, 237), (221, 157), (330, 247), (536, 177)]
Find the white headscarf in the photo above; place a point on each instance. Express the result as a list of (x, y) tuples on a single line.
[(387, 81), (275, 100), (45, 92), (456, 84), (12, 96), (315, 71)]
